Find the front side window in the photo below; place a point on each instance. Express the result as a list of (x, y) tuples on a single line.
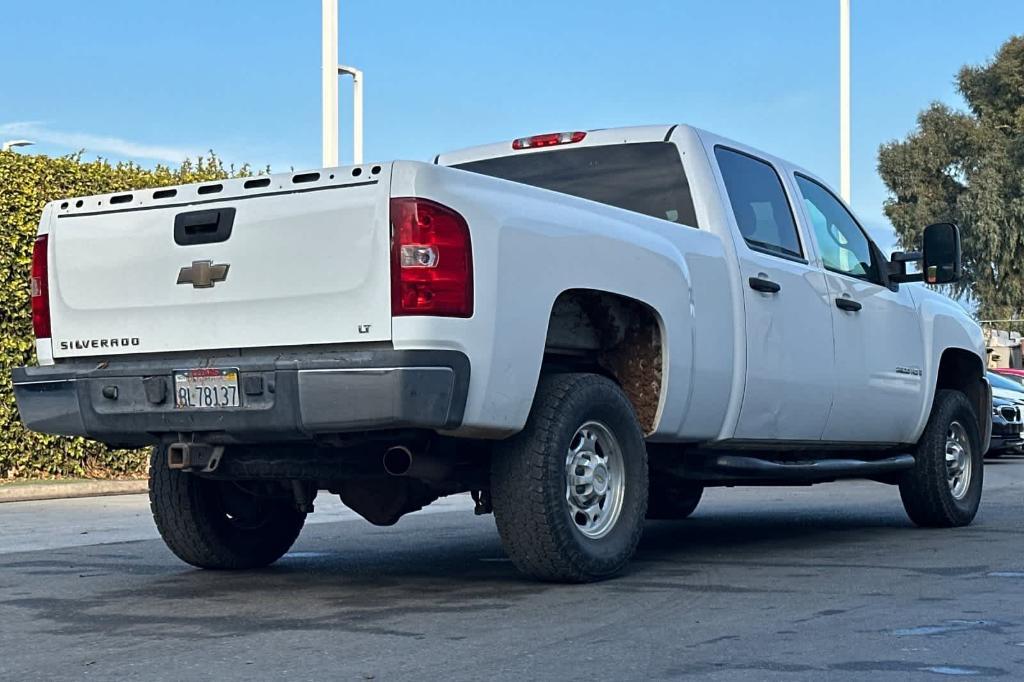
[(759, 203), (844, 246)]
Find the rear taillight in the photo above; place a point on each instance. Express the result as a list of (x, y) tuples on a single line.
[(548, 140), (431, 260), (40, 289)]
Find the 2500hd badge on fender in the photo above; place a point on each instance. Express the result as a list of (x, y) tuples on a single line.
[(582, 329)]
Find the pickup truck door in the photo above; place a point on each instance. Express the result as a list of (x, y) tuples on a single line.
[(790, 359), (878, 339)]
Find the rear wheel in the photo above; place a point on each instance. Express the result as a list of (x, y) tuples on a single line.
[(570, 490), (219, 524), (944, 487)]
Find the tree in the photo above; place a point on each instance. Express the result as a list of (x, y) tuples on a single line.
[(968, 167)]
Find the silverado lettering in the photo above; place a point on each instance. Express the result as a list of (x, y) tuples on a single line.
[(81, 344)]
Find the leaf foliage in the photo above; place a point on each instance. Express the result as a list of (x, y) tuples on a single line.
[(968, 167), (27, 184)]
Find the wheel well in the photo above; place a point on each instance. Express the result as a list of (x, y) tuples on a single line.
[(613, 335), (962, 370)]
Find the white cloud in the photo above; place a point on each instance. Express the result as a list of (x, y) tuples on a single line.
[(116, 146)]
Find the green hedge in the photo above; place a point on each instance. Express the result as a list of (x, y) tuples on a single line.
[(27, 183)]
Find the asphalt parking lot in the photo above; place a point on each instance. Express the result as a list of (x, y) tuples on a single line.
[(830, 582)]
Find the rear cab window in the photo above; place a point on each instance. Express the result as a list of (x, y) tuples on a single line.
[(759, 203), (645, 177)]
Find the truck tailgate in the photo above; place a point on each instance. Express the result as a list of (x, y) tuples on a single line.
[(306, 262)]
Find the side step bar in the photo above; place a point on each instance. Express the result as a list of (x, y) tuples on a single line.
[(741, 469), (733, 465)]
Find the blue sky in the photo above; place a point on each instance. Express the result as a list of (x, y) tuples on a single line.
[(153, 81)]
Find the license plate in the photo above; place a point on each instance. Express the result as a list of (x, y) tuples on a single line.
[(206, 389)]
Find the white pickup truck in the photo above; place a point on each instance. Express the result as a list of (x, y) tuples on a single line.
[(582, 329)]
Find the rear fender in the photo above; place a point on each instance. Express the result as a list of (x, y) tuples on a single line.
[(529, 246)]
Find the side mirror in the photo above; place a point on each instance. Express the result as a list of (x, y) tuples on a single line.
[(941, 254), (940, 258)]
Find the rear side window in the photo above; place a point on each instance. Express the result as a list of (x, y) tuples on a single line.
[(646, 177), (759, 203)]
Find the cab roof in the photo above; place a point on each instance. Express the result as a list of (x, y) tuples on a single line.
[(624, 135), (601, 136)]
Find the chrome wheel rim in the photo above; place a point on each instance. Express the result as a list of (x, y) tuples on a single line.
[(595, 481), (959, 465)]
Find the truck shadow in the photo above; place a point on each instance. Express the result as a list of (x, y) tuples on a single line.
[(368, 580), (1003, 460)]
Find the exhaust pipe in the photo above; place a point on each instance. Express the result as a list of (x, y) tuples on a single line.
[(400, 461)]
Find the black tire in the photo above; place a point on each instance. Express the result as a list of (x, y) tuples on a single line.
[(925, 489), (529, 482), (671, 499), (215, 524)]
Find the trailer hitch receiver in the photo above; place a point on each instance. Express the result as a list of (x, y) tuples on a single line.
[(194, 456)]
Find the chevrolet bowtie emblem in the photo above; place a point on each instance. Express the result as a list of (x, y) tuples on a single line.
[(203, 274)]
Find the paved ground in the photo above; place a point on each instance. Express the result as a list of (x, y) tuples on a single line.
[(797, 584)]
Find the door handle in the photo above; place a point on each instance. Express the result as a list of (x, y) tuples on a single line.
[(848, 304), (764, 285)]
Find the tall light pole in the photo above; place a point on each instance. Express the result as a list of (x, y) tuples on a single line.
[(329, 81), (330, 70), (11, 144), (844, 99)]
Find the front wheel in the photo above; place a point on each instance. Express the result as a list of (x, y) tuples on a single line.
[(570, 490), (218, 524), (944, 487)]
